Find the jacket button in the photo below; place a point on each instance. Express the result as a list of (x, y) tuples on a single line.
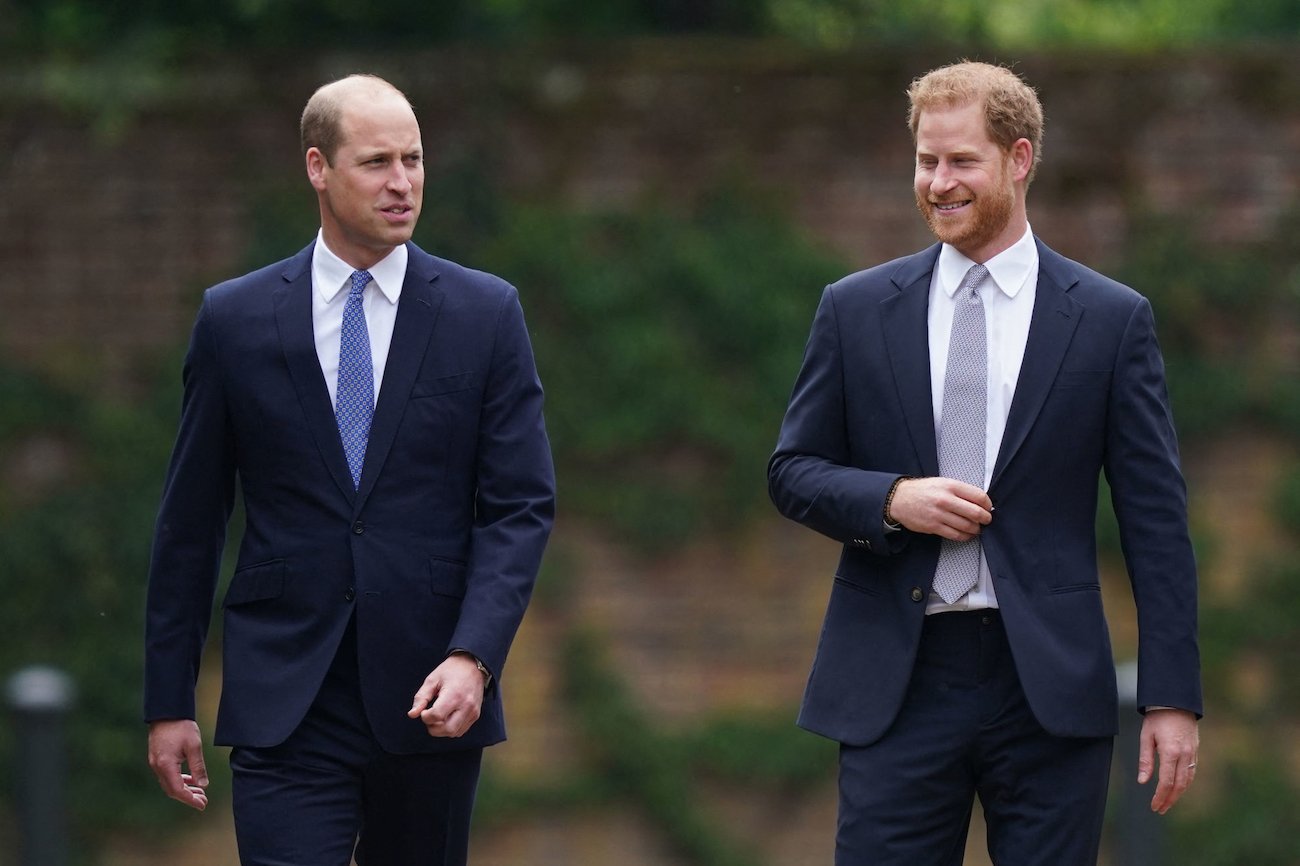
[(917, 595), (349, 594), (358, 528)]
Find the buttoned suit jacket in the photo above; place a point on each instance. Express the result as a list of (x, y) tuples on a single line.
[(1090, 399), (437, 550)]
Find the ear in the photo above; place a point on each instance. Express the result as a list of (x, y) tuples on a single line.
[(316, 165), (1022, 158)]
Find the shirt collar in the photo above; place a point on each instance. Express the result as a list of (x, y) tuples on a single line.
[(1010, 268), (332, 274)]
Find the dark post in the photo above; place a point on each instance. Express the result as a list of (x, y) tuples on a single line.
[(1140, 833), (40, 698)]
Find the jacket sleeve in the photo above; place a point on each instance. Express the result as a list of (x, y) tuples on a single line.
[(810, 476), (190, 533), (515, 500), (1150, 502)]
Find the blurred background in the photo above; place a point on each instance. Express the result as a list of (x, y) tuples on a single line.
[(669, 183)]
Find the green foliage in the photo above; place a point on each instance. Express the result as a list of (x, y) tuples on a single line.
[(760, 751), (1287, 500), (630, 760), (1258, 824), (74, 536), (667, 340), (99, 27), (641, 763), (1220, 312)]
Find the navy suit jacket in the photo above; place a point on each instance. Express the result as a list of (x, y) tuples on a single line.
[(1090, 398), (437, 550)]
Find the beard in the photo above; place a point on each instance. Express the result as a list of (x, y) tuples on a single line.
[(990, 214)]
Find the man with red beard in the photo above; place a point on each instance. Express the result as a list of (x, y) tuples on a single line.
[(949, 425)]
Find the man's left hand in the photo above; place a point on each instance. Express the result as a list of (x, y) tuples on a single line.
[(451, 697), (1171, 736)]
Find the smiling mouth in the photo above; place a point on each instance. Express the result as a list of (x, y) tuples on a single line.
[(950, 206)]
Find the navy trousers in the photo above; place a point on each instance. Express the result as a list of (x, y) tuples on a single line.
[(966, 730), (330, 793)]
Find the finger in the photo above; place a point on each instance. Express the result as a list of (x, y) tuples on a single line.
[(424, 698), (1146, 756), (1160, 801), (1173, 769), (956, 527), (439, 724), (972, 494), (194, 760)]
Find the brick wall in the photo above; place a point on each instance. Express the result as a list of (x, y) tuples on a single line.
[(107, 234)]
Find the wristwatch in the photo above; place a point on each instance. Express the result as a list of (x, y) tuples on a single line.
[(482, 668)]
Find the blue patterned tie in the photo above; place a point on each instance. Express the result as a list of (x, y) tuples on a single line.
[(963, 427), (354, 403)]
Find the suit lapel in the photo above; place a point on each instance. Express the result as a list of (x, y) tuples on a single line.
[(1052, 324), (417, 310), (904, 317), (298, 340)]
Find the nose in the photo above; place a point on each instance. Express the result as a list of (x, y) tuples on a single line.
[(942, 180), (399, 180)]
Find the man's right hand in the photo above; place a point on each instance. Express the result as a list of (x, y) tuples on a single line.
[(174, 742), (941, 506)]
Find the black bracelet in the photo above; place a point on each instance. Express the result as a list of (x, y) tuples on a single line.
[(889, 500)]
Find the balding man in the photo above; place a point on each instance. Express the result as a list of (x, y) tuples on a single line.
[(381, 411)]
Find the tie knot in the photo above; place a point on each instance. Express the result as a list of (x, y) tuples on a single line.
[(359, 281), (972, 280)]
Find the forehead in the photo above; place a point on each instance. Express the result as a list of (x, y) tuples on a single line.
[(381, 121), (955, 127)]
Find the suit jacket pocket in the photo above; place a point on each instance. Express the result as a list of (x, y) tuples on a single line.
[(257, 582), (1069, 379), (1075, 587), (442, 385), (446, 577), (857, 587)]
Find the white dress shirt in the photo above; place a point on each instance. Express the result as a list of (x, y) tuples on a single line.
[(331, 278), (1008, 305)]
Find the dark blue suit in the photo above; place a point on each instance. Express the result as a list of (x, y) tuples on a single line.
[(1090, 399), (437, 550)]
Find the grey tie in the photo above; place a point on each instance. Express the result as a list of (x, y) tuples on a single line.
[(963, 427)]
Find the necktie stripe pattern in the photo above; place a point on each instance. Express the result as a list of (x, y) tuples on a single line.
[(963, 427), (354, 403)]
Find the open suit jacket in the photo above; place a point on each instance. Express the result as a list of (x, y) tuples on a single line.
[(1090, 398), (437, 550)]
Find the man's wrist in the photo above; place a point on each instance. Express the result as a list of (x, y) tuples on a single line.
[(482, 668), (890, 522)]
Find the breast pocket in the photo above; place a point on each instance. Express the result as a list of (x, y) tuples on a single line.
[(441, 385), (1079, 379)]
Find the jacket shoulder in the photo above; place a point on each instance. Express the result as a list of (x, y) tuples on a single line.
[(456, 277), (258, 282), (885, 279), (1085, 284)]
